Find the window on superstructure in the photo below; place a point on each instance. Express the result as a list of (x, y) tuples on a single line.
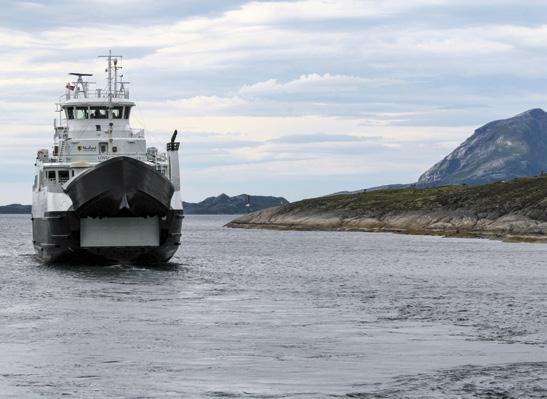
[(98, 112), (63, 176), (51, 176), (103, 147), (126, 112), (69, 112), (81, 113), (117, 112)]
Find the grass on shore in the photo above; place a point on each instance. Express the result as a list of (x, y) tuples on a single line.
[(524, 195)]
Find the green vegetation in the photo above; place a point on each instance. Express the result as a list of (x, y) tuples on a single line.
[(525, 196)]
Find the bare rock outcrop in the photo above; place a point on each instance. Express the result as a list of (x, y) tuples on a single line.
[(515, 210)]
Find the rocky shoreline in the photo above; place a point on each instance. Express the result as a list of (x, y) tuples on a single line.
[(513, 211)]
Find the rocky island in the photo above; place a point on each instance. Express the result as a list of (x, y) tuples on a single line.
[(458, 196), (515, 210)]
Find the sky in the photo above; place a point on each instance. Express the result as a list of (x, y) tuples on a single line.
[(286, 98)]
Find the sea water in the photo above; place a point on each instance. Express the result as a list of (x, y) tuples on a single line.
[(277, 314)]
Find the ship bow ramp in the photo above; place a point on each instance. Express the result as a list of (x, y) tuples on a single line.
[(119, 187)]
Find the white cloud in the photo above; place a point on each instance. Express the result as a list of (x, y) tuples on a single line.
[(313, 82), (266, 70), (206, 104)]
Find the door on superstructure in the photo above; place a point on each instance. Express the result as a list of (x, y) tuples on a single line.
[(103, 148)]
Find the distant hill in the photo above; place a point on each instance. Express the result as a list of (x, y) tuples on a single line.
[(221, 205), (500, 150), (15, 209), (226, 205)]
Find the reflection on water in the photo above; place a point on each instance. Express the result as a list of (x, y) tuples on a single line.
[(242, 313)]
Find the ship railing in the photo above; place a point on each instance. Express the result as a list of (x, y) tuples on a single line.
[(97, 93)]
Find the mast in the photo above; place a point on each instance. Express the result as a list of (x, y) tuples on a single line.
[(112, 59)]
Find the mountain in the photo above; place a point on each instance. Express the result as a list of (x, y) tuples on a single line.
[(500, 150), (225, 205), (15, 209)]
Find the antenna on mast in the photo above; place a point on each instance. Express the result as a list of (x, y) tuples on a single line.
[(112, 59), (116, 68)]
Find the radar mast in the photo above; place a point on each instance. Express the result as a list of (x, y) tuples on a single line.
[(112, 65)]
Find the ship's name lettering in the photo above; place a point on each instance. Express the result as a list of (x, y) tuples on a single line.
[(87, 148)]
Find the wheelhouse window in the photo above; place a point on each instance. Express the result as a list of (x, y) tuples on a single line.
[(51, 175), (81, 113), (98, 112), (69, 111), (63, 176), (117, 112)]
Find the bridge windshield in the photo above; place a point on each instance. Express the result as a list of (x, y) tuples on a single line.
[(97, 112)]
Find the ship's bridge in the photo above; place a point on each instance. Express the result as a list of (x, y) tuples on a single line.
[(88, 110), (80, 103), (87, 113), (90, 117), (93, 124)]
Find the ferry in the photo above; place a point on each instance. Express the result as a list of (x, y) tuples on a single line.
[(101, 193)]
